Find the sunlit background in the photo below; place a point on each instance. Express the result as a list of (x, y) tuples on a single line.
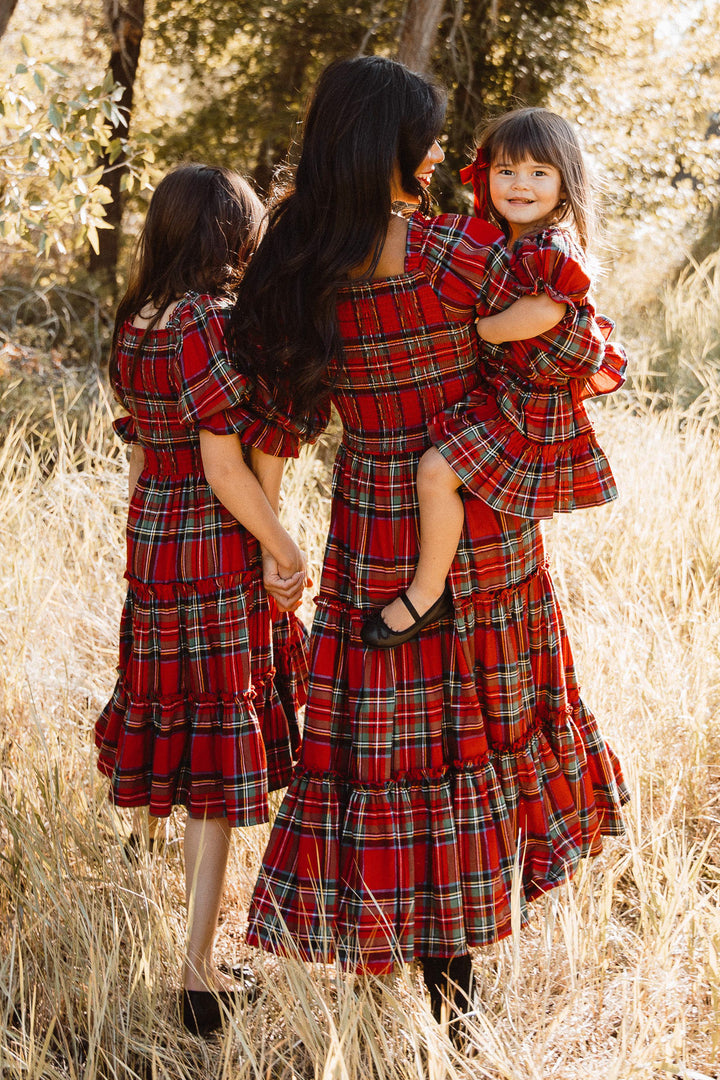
[(618, 975)]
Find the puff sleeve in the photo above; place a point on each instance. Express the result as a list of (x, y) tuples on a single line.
[(551, 262), (465, 260), (271, 428), (210, 390)]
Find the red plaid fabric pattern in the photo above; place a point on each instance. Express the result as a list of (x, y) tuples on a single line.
[(523, 441), (204, 710), (430, 773)]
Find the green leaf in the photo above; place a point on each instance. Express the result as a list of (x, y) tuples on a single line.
[(39, 82), (55, 116), (21, 69), (25, 44)]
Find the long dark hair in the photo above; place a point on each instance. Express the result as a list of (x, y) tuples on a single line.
[(367, 118), (200, 229)]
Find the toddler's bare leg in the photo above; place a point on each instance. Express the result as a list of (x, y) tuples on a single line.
[(442, 516)]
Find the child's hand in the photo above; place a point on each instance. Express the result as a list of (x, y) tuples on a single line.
[(285, 581)]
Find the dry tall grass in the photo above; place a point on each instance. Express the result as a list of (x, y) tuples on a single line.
[(618, 975)]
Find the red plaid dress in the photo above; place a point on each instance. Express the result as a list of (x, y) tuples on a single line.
[(203, 712), (523, 441), (433, 774)]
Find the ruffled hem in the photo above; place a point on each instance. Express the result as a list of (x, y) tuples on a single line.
[(216, 754), (517, 475), (426, 863), (170, 590)]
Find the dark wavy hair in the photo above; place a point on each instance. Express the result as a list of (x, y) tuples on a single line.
[(368, 117), (200, 229)]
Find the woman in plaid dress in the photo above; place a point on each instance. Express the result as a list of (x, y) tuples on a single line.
[(203, 712), (434, 775)]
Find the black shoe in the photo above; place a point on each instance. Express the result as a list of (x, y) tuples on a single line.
[(133, 847), (450, 983), (202, 1009), (378, 635)]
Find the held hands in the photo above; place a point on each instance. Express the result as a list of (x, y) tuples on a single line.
[(286, 580)]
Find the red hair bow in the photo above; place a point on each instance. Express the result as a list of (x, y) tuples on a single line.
[(477, 174)]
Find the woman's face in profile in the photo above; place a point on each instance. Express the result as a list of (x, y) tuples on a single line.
[(424, 173)]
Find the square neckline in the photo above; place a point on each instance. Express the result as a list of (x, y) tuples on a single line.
[(374, 283)]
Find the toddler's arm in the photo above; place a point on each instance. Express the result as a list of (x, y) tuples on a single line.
[(525, 318)]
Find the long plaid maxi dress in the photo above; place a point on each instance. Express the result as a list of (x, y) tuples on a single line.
[(204, 709), (431, 773)]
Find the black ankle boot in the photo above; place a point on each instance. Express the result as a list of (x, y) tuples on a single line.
[(450, 979)]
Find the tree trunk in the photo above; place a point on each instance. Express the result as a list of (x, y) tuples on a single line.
[(127, 22), (6, 9), (419, 32)]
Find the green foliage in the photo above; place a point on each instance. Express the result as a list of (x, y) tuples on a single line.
[(252, 66), (52, 134), (495, 55)]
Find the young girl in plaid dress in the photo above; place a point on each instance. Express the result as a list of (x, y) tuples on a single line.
[(522, 441), (446, 782), (203, 712)]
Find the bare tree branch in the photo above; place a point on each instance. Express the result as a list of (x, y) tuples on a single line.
[(419, 32)]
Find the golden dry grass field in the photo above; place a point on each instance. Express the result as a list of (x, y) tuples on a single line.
[(617, 977)]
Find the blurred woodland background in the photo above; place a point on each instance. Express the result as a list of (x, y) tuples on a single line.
[(98, 99), (618, 975)]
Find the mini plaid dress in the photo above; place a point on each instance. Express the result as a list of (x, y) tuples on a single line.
[(523, 441), (203, 713), (437, 778)]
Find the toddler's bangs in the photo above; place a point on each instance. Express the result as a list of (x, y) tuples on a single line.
[(524, 138)]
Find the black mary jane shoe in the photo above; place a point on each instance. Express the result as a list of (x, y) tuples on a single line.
[(378, 635), (202, 1010)]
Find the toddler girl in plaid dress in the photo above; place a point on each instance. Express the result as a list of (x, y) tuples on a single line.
[(211, 672), (522, 441)]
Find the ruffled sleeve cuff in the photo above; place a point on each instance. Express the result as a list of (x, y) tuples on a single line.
[(552, 263), (124, 426), (269, 437), (610, 376)]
